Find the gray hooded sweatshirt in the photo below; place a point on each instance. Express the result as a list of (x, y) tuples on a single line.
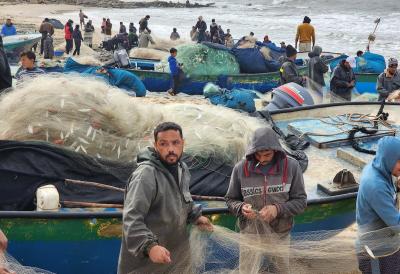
[(156, 211), (316, 68), (279, 183)]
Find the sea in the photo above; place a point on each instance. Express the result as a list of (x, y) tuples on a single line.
[(341, 26)]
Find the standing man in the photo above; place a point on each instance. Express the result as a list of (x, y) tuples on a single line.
[(77, 36), (8, 28), (158, 206), (45, 28), (108, 29), (5, 71), (376, 209), (145, 38), (388, 82), (213, 29), (82, 17), (288, 71), (144, 23), (343, 80), (316, 70), (122, 28), (174, 35), (201, 26), (266, 191), (305, 35), (88, 37)]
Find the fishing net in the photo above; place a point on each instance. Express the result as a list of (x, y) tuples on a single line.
[(88, 116), (262, 251), (10, 264), (202, 60)]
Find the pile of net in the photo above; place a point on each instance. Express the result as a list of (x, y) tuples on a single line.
[(87, 115), (202, 60), (10, 264), (322, 252)]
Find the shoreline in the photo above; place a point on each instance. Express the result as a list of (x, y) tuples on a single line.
[(115, 3)]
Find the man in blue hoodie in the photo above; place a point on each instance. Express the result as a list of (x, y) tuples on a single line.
[(8, 28), (175, 69), (376, 210)]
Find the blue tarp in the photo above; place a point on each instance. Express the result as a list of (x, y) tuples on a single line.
[(241, 99), (116, 77), (251, 60)]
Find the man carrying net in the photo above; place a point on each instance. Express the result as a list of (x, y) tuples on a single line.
[(266, 191), (158, 206)]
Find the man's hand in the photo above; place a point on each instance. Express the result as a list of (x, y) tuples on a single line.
[(248, 212), (4, 270), (394, 95), (159, 255), (268, 213), (3, 242), (204, 224)]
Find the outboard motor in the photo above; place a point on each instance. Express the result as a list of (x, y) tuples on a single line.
[(289, 95)]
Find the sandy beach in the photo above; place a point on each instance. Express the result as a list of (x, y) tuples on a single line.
[(28, 17)]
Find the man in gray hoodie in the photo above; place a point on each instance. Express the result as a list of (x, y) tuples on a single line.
[(266, 189), (388, 82), (157, 208), (316, 69)]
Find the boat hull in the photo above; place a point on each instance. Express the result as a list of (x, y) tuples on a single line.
[(16, 44), (366, 82), (91, 245), (161, 81)]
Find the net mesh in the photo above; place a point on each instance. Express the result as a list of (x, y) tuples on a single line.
[(91, 117), (334, 251), (9, 264), (199, 60)]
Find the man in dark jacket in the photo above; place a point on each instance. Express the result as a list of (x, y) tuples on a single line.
[(388, 82), (157, 208), (316, 69), (343, 80), (5, 72), (122, 28), (45, 28), (213, 29), (266, 190), (143, 24), (288, 71), (201, 26)]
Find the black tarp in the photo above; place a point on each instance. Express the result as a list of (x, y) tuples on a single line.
[(25, 166)]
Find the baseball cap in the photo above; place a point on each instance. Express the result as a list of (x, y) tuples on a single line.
[(352, 61)]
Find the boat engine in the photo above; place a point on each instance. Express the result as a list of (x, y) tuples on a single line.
[(288, 96)]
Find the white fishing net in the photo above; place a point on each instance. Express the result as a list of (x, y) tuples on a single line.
[(88, 116), (314, 252), (10, 264)]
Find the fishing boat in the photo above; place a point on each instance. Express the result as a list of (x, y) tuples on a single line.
[(87, 240), (15, 44)]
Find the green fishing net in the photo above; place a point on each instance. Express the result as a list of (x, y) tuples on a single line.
[(199, 60)]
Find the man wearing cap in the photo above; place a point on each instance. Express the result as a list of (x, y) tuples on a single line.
[(8, 28), (343, 80), (288, 71), (305, 35), (388, 82)]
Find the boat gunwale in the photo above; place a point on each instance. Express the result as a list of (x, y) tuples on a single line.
[(118, 214)]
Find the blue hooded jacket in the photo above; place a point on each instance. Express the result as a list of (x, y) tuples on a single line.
[(8, 30), (173, 65), (376, 200)]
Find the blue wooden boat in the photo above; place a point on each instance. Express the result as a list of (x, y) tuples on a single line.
[(88, 240), (14, 45)]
